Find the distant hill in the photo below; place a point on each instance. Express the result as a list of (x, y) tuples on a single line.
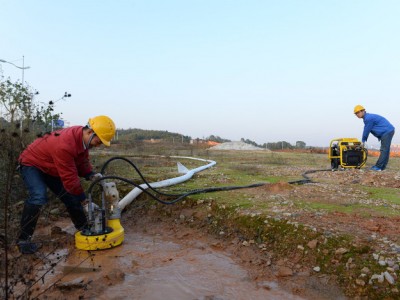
[(136, 134)]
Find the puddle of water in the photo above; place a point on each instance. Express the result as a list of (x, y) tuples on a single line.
[(157, 267)]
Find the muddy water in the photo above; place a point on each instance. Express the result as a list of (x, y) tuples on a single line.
[(161, 266)]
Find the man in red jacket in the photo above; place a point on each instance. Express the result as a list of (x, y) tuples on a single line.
[(57, 161)]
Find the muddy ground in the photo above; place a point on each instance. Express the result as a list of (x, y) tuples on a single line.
[(124, 271), (162, 258)]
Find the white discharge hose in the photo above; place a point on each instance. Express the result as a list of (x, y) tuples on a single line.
[(167, 182)]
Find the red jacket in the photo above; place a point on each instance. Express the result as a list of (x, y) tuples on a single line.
[(61, 154)]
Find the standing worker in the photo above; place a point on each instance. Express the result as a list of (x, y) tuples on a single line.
[(56, 161), (381, 129)]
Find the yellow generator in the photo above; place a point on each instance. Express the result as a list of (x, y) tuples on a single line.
[(347, 153)]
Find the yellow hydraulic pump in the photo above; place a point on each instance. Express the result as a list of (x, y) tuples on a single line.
[(102, 232)]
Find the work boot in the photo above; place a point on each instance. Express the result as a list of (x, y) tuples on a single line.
[(28, 247), (30, 216)]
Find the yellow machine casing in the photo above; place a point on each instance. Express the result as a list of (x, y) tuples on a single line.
[(101, 241), (347, 153)]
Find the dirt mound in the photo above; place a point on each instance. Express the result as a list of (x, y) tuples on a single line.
[(237, 146), (277, 187)]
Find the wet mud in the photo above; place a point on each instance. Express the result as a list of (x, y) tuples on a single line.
[(155, 262)]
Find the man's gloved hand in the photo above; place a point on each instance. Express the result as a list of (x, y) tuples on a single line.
[(364, 145)]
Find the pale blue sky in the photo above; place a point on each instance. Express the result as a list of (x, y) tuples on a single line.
[(263, 70)]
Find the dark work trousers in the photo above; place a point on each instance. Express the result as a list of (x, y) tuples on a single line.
[(37, 183), (386, 141)]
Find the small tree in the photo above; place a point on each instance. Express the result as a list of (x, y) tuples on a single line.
[(216, 138), (250, 142), (279, 145), (21, 119), (300, 145)]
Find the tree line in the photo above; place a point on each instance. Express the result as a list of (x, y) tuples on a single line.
[(136, 134), (276, 145)]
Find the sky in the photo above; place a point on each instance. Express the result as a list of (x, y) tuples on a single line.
[(267, 71)]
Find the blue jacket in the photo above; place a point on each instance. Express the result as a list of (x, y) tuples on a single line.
[(377, 125)]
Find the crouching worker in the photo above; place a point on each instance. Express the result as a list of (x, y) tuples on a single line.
[(57, 161)]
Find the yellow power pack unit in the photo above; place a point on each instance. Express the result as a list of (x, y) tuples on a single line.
[(347, 153)]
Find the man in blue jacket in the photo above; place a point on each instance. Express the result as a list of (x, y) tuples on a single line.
[(381, 129)]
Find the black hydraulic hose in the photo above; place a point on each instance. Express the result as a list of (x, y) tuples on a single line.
[(180, 196), (307, 179), (129, 162), (137, 171)]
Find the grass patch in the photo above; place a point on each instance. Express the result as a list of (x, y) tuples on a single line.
[(389, 194)]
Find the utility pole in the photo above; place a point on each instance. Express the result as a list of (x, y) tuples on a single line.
[(23, 63)]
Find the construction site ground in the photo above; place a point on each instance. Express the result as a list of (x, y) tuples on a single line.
[(173, 251)]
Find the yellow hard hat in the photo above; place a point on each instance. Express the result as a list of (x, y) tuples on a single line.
[(103, 127), (358, 108)]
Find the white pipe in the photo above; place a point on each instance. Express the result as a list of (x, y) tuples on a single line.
[(188, 174)]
